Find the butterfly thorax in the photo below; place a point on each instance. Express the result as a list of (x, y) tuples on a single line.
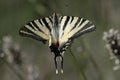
[(55, 49)]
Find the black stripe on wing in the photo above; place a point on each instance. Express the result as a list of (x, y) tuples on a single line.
[(76, 23), (66, 21), (46, 24), (36, 26)]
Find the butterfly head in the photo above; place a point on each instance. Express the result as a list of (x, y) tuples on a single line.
[(58, 57)]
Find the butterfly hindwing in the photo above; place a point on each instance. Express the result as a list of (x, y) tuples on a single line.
[(38, 29)]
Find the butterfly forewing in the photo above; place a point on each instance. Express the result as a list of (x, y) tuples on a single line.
[(38, 29), (72, 27)]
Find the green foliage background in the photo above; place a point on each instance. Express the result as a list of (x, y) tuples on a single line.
[(91, 62)]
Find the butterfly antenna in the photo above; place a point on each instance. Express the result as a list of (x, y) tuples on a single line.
[(56, 65), (62, 64)]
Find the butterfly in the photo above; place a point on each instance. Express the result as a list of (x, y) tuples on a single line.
[(59, 31)]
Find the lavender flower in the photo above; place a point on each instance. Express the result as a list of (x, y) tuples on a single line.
[(112, 39)]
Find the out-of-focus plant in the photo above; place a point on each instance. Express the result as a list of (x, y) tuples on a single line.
[(112, 39), (11, 56)]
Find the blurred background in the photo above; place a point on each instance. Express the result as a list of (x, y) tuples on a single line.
[(88, 58)]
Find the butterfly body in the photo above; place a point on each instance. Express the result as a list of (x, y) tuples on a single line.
[(59, 31)]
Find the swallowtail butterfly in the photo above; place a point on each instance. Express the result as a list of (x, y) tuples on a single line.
[(59, 31)]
